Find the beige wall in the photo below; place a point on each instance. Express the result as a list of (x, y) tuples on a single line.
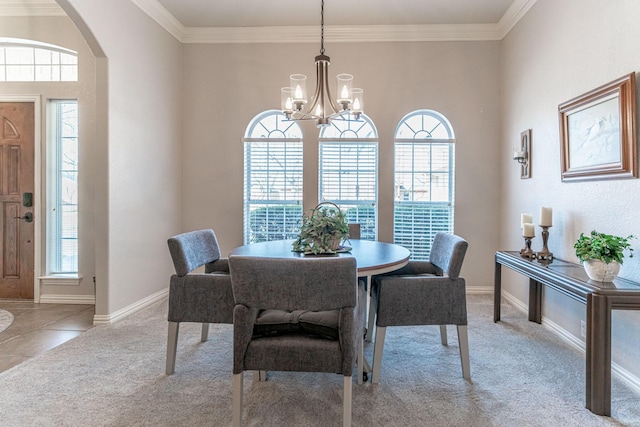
[(562, 49), (138, 177), (225, 86)]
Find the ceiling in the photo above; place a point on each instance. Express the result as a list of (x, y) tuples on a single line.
[(279, 21), (261, 13)]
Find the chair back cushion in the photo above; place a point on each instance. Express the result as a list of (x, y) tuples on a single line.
[(447, 253), (192, 250), (313, 283)]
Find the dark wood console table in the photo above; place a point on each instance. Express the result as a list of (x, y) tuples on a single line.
[(600, 298)]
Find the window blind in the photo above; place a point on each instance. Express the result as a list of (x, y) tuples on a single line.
[(348, 177), (273, 190)]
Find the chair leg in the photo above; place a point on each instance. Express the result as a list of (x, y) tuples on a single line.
[(259, 376), (443, 334), (172, 345), (237, 399), (346, 402), (377, 353), (372, 318), (463, 343), (360, 360), (205, 332)]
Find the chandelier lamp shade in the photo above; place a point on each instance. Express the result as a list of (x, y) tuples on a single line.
[(322, 108)]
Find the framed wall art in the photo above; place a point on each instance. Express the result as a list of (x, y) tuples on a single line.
[(598, 133)]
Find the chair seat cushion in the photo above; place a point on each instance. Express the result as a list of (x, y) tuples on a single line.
[(276, 322)]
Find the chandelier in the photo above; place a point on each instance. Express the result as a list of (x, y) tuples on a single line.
[(323, 108)]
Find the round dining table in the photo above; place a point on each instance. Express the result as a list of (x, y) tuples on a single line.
[(371, 257)]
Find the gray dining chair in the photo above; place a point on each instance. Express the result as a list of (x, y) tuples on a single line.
[(354, 231), (204, 297), (424, 293), (304, 315)]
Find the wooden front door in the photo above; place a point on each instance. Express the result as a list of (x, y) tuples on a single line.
[(16, 199)]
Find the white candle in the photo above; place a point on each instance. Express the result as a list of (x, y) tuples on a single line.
[(528, 230), (525, 218), (546, 216)]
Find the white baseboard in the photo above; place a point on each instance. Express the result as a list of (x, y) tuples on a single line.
[(67, 299), (480, 290), (129, 310), (616, 370)]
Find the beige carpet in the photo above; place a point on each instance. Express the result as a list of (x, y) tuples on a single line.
[(522, 375), (6, 319)]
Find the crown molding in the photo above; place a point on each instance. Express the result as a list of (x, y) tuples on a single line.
[(30, 8), (158, 13), (342, 34), (513, 15)]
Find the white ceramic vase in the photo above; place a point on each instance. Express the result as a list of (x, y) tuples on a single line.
[(601, 271)]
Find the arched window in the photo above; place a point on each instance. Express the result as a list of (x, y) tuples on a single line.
[(32, 61), (272, 178), (424, 181), (348, 172)]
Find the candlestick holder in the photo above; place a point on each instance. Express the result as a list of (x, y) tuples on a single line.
[(526, 252), (544, 254)]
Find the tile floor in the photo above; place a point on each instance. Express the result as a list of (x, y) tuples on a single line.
[(37, 328)]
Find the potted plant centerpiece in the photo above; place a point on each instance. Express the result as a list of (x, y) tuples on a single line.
[(323, 230), (602, 254)]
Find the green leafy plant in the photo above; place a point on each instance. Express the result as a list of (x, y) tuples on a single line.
[(604, 247), (322, 231)]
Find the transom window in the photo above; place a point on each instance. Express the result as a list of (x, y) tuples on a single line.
[(349, 170), (272, 179), (424, 181), (32, 61)]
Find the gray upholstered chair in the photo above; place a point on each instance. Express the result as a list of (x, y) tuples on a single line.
[(304, 315), (424, 293), (197, 297)]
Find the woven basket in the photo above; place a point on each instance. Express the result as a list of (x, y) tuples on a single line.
[(316, 241)]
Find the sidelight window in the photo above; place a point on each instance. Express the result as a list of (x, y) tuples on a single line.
[(62, 186)]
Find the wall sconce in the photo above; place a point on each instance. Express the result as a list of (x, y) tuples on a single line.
[(523, 154)]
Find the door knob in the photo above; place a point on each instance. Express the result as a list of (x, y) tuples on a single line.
[(28, 217)]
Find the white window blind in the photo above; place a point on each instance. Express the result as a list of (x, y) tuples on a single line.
[(62, 200), (273, 178), (348, 171), (424, 181)]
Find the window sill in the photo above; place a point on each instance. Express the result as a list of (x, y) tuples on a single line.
[(60, 280)]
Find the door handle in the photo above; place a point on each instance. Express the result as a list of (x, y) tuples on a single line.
[(28, 217)]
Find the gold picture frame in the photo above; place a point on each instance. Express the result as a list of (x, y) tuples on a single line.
[(598, 133)]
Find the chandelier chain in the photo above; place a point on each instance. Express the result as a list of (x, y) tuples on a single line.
[(322, 28)]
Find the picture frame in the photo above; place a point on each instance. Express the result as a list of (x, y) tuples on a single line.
[(598, 133)]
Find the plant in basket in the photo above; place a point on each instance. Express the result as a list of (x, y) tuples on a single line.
[(323, 230)]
